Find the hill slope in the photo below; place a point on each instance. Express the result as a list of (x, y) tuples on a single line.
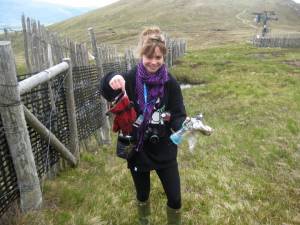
[(201, 22), (246, 172)]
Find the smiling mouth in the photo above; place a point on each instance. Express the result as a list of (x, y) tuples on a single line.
[(153, 68)]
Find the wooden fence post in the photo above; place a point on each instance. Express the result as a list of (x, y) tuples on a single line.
[(16, 132), (69, 86), (25, 33), (170, 52), (105, 130), (128, 60)]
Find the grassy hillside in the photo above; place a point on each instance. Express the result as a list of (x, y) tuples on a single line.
[(202, 22), (247, 172)]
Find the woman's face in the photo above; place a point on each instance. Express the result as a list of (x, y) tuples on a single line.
[(154, 62)]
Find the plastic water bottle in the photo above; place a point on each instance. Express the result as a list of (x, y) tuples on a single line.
[(191, 124), (177, 137)]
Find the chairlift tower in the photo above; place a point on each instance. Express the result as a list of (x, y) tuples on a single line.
[(263, 18)]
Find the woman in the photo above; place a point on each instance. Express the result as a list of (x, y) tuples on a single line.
[(155, 93)]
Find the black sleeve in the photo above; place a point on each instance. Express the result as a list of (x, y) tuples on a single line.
[(106, 91), (176, 105)]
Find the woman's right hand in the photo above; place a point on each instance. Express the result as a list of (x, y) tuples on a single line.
[(117, 82)]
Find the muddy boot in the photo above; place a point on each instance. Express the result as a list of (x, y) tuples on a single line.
[(143, 212), (174, 216)]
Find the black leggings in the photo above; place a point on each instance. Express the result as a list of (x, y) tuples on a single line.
[(170, 180)]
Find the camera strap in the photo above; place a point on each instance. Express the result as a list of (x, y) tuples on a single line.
[(145, 95), (146, 98)]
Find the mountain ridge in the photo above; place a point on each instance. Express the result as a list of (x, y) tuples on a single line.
[(202, 23)]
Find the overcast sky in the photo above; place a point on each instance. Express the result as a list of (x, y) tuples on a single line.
[(46, 11), (80, 3)]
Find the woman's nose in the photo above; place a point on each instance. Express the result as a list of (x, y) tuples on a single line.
[(153, 61)]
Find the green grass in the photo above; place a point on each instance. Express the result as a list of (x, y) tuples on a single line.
[(246, 172)]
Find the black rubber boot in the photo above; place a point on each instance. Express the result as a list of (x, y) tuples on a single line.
[(143, 212), (174, 216)]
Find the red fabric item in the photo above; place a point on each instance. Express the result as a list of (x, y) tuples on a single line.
[(125, 115)]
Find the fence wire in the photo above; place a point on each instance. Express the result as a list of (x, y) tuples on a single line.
[(8, 178), (277, 41), (48, 103), (87, 100), (86, 81)]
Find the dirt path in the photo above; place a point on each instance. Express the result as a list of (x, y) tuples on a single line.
[(245, 21)]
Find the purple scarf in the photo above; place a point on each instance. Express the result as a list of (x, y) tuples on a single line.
[(155, 89)]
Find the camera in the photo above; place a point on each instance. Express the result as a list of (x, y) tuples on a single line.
[(152, 134), (157, 128)]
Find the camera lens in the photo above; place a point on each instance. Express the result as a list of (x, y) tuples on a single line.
[(154, 139)]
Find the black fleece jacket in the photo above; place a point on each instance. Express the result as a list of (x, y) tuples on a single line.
[(164, 153)]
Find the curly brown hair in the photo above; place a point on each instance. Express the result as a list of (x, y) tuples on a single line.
[(150, 38)]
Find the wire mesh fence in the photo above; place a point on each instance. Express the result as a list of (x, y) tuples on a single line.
[(277, 41), (48, 103), (119, 66), (87, 100), (8, 178), (87, 96)]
